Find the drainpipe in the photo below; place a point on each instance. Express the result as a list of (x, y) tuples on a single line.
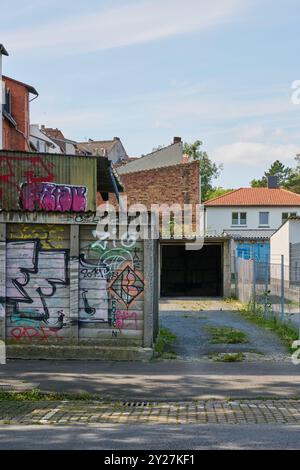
[(3, 51), (113, 180)]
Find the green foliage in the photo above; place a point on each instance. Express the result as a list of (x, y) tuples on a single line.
[(285, 331), (165, 340), (217, 192), (37, 395), (293, 183), (227, 357), (278, 169), (208, 169), (226, 335)]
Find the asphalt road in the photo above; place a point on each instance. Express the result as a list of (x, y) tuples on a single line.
[(145, 437), (177, 381)]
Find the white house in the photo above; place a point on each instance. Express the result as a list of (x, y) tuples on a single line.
[(286, 242), (250, 216), (40, 142), (112, 149)]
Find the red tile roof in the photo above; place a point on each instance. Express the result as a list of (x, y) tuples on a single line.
[(256, 197)]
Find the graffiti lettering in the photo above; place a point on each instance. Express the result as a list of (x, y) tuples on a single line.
[(127, 285), (31, 332), (122, 315), (36, 278), (53, 197), (50, 236), (93, 301)]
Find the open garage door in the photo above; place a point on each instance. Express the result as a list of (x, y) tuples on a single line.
[(191, 273)]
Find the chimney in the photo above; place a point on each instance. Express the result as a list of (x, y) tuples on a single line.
[(3, 51), (272, 182), (177, 140)]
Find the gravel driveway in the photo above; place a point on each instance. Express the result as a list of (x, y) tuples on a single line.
[(189, 320)]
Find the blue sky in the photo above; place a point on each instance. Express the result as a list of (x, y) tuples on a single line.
[(147, 70)]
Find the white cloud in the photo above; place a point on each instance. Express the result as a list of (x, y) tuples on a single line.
[(123, 26), (253, 153)]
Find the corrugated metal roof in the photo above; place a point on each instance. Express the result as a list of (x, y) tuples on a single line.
[(17, 168), (249, 234)]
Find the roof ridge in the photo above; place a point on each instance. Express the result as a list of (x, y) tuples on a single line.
[(223, 195)]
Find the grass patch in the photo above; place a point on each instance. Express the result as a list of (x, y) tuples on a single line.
[(285, 331), (164, 342), (227, 357), (37, 395), (226, 335)]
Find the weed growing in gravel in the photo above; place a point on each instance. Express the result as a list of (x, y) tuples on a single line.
[(286, 331), (164, 342), (226, 335)]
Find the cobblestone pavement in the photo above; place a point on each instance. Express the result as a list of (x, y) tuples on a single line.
[(200, 412)]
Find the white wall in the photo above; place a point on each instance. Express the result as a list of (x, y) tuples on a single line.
[(117, 152), (41, 141), (280, 244), (219, 219)]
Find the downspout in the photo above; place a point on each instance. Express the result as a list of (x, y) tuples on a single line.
[(3, 52), (116, 191)]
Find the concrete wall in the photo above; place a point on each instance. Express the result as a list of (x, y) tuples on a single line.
[(219, 219), (167, 156), (65, 294)]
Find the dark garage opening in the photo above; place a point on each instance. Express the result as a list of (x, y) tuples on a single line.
[(191, 273)]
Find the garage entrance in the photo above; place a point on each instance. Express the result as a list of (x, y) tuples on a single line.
[(191, 273)]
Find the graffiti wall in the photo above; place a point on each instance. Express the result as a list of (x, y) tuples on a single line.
[(37, 282), (111, 288), (48, 183), (106, 286)]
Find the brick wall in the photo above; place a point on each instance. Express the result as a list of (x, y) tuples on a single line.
[(177, 184), (12, 139)]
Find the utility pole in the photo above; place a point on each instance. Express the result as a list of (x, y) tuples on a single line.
[(3, 52)]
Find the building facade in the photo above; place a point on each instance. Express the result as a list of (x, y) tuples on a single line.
[(65, 293), (250, 216), (16, 114)]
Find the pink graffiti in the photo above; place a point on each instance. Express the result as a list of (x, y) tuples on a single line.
[(53, 197), (30, 333), (122, 315)]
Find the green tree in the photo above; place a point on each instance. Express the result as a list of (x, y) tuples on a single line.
[(216, 192), (293, 182), (208, 169), (278, 169)]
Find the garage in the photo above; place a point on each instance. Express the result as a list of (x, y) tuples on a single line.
[(192, 273)]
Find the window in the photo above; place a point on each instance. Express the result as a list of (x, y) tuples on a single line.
[(7, 101), (239, 218), (264, 218), (286, 215), (243, 218), (235, 218)]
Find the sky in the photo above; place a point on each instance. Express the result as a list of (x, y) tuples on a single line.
[(148, 70)]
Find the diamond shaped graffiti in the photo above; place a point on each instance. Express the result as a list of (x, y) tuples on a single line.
[(127, 286)]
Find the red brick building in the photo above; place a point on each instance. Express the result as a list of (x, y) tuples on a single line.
[(16, 114), (176, 184)]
